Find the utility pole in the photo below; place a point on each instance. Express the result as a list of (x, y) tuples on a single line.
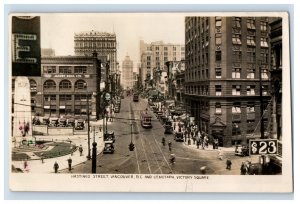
[(88, 118), (262, 134)]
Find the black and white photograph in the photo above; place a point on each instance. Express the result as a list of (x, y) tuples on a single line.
[(150, 102)]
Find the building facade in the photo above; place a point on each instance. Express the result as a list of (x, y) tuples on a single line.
[(105, 44), (127, 73), (70, 86), (154, 55), (225, 59)]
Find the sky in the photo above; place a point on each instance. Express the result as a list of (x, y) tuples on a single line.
[(57, 30)]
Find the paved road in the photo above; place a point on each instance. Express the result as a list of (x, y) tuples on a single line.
[(150, 156)]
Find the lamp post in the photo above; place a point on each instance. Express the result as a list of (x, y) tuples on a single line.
[(262, 131), (88, 120), (131, 145), (94, 155)]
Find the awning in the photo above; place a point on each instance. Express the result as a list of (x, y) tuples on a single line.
[(62, 107), (47, 107)]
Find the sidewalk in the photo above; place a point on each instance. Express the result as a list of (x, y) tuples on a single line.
[(209, 148), (36, 166)]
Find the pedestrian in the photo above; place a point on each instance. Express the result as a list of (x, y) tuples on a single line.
[(25, 165), (243, 169), (220, 154), (198, 143), (42, 158), (170, 145), (80, 150), (56, 167), (70, 163), (228, 164)]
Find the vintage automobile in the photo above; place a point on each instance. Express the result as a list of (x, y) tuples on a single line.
[(178, 136), (108, 147), (241, 150), (109, 136), (168, 127), (117, 109), (80, 124), (163, 119), (62, 122), (71, 122), (135, 97)]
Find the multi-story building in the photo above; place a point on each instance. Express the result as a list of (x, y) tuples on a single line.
[(127, 73), (225, 59), (105, 44), (70, 86), (154, 56)]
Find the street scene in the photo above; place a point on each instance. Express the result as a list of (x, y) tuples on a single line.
[(205, 100)]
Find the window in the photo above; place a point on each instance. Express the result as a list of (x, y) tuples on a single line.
[(236, 39), (148, 63), (236, 56), (174, 48), (49, 69), (251, 90), (236, 73), (157, 58), (165, 58), (49, 84), (65, 97), (250, 108), (65, 84), (236, 108), (263, 26), (264, 56), (218, 56), (265, 90), (157, 53), (165, 53), (218, 21), (218, 90), (165, 48), (250, 23), (33, 85), (65, 70), (218, 38), (148, 58), (250, 73), (236, 130), (82, 97), (218, 108), (236, 22), (80, 70), (80, 84), (156, 48), (218, 73), (251, 40), (49, 97), (264, 42), (251, 55), (264, 73), (236, 90)]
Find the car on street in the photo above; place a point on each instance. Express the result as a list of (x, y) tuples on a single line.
[(109, 147), (241, 150), (168, 127), (109, 136), (178, 136)]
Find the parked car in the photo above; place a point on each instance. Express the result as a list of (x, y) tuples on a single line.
[(168, 127), (178, 136), (80, 124), (241, 150)]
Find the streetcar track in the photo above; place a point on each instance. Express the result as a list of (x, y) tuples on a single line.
[(136, 156), (159, 148)]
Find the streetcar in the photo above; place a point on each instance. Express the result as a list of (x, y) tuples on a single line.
[(135, 97), (146, 119)]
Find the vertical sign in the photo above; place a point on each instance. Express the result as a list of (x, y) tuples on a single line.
[(26, 46)]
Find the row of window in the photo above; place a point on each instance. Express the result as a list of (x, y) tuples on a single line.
[(236, 90), (236, 108), (65, 69), (96, 44), (67, 97), (236, 73), (65, 84)]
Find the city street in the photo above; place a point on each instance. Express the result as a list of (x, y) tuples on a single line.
[(150, 156)]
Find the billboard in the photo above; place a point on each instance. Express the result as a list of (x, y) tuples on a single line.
[(26, 46)]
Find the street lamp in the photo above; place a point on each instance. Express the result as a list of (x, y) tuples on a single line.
[(88, 119), (94, 154), (131, 145)]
